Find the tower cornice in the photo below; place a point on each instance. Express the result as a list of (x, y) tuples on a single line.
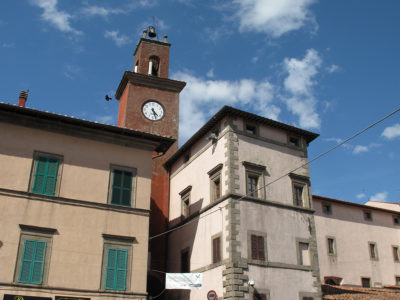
[(148, 81)]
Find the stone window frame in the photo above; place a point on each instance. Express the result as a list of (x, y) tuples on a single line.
[(185, 250), (133, 170), (259, 171), (396, 220), (185, 202), (326, 211), (35, 157), (397, 249), (255, 128), (368, 215), (213, 237), (120, 243), (265, 292), (299, 258), (39, 234), (307, 295), (369, 281), (303, 182), (296, 137), (215, 175), (373, 255), (334, 248), (397, 280), (249, 256)]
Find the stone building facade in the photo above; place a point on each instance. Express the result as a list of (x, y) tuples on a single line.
[(245, 210), (74, 207), (358, 244)]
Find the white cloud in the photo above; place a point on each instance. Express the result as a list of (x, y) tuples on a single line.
[(102, 11), (210, 74), (333, 68), (59, 19), (72, 71), (379, 197), (7, 45), (362, 148), (361, 196), (274, 17), (119, 39), (392, 132), (359, 149), (108, 119), (201, 98), (299, 85)]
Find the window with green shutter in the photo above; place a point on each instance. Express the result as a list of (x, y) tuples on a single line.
[(45, 175), (115, 277), (122, 186), (32, 262)]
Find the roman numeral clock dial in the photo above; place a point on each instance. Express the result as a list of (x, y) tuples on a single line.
[(153, 110)]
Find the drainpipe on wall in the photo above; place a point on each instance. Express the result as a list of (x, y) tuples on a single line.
[(23, 96)]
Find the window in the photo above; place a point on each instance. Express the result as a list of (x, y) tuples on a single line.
[(366, 282), (154, 64), (327, 209), (185, 202), (367, 215), (303, 252), (396, 256), (215, 182), (251, 129), (122, 186), (216, 249), (300, 190), (257, 247), (298, 195), (396, 220), (294, 141), (331, 246), (117, 259), (397, 280), (258, 296), (46, 173), (254, 180), (33, 254), (185, 261), (373, 251)]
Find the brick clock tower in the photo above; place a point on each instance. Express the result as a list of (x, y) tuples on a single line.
[(149, 102)]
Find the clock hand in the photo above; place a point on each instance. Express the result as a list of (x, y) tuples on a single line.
[(154, 112)]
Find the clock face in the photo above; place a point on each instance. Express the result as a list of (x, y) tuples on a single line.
[(153, 110)]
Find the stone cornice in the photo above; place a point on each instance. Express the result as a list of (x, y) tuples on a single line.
[(148, 81)]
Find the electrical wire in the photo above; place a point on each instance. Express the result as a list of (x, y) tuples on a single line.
[(288, 173)]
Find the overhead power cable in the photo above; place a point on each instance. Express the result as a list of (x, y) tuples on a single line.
[(288, 173)]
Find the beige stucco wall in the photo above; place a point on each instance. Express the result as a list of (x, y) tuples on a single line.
[(384, 205), (194, 173), (352, 233), (278, 160), (282, 227), (77, 247), (86, 170)]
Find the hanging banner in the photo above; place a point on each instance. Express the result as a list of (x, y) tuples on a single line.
[(184, 281)]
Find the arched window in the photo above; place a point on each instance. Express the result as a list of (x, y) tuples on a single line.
[(154, 65), (136, 67)]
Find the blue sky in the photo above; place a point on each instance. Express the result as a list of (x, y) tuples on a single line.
[(331, 67)]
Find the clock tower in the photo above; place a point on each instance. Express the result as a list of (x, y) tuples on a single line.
[(149, 102)]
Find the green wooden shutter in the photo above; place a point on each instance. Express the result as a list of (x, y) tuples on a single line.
[(122, 188), (32, 262), (115, 278), (120, 280), (45, 176)]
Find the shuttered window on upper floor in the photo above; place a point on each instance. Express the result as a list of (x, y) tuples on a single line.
[(32, 262)]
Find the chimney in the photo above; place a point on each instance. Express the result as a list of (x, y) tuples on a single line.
[(23, 96)]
